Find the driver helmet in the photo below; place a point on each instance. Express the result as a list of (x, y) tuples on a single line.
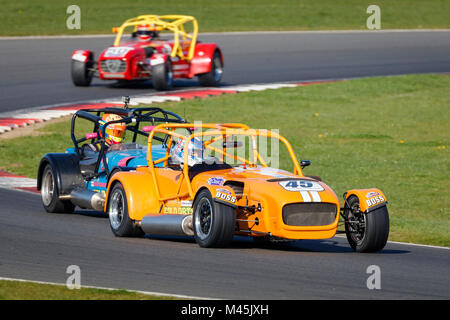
[(145, 32), (195, 152), (115, 132)]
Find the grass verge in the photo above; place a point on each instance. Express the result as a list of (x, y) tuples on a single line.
[(18, 290), (388, 132), (30, 17)]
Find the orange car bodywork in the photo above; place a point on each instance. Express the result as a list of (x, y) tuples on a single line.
[(258, 205)]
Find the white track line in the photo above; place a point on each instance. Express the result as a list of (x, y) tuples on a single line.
[(113, 289), (407, 243)]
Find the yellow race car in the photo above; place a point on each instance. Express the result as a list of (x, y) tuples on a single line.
[(213, 182)]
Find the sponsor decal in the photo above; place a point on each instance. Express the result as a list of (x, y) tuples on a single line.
[(372, 194), (216, 181), (201, 60), (98, 184), (177, 210), (375, 200), (156, 61), (116, 52), (186, 203), (226, 197), (225, 191)]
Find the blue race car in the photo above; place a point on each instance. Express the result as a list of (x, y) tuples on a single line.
[(79, 176)]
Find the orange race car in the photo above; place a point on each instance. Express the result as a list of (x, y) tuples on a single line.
[(214, 182)]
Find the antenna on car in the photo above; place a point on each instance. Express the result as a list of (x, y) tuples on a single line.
[(126, 101)]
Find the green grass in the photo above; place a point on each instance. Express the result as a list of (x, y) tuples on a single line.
[(18, 290), (31, 17), (392, 133)]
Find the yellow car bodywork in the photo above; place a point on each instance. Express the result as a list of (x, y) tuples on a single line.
[(259, 199)]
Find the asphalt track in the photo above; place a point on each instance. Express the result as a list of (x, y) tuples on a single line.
[(37, 72), (36, 245), (40, 246)]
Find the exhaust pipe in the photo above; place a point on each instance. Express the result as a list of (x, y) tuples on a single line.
[(168, 224), (88, 199)]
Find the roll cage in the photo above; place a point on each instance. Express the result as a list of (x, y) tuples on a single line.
[(133, 118), (175, 23), (219, 132)]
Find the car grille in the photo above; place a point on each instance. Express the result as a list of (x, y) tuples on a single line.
[(113, 65), (309, 214)]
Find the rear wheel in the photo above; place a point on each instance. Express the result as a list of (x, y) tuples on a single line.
[(162, 76), (119, 220), (50, 194), (366, 232), (213, 222), (213, 77), (82, 72)]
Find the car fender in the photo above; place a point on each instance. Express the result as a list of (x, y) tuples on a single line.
[(369, 199), (82, 55), (67, 172), (139, 191), (202, 60)]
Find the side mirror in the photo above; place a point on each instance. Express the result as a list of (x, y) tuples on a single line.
[(304, 163)]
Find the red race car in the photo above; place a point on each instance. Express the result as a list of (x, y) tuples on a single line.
[(161, 48)]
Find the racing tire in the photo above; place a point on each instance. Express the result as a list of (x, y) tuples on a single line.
[(121, 223), (162, 76), (214, 76), (213, 222), (82, 73), (366, 232), (50, 193)]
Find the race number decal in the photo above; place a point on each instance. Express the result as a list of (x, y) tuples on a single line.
[(116, 52), (308, 189), (301, 185)]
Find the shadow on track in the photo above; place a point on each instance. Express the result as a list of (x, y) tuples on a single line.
[(334, 245)]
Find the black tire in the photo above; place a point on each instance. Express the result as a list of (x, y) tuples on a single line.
[(119, 220), (162, 76), (213, 222), (50, 193), (82, 72), (366, 232), (214, 76)]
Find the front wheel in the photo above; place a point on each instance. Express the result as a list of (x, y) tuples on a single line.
[(162, 76), (82, 72), (119, 220), (213, 222), (366, 232)]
